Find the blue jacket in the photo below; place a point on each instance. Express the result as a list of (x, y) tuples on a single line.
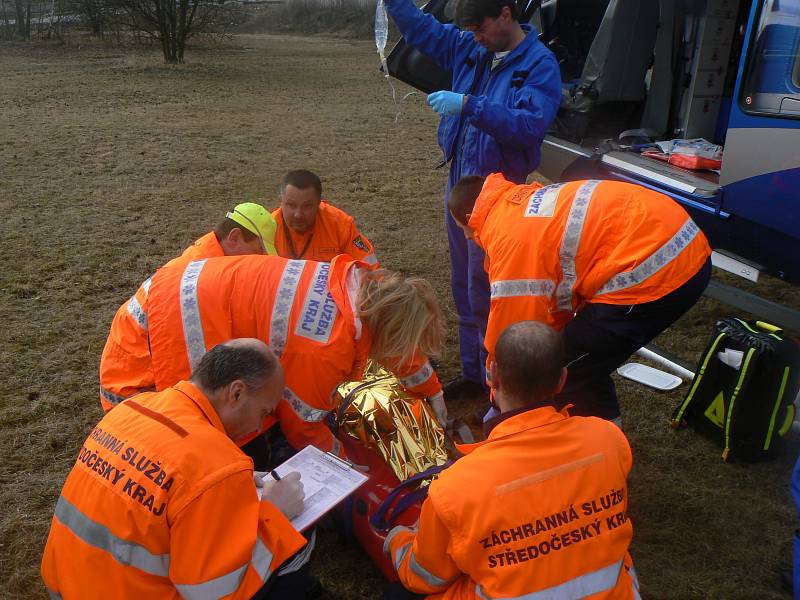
[(508, 110)]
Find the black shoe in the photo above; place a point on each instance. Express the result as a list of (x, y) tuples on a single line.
[(460, 389)]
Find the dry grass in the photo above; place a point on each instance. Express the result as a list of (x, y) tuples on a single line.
[(111, 162)]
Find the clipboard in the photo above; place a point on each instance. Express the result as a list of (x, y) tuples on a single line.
[(327, 480)]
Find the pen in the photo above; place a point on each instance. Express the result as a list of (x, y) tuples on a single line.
[(275, 475)]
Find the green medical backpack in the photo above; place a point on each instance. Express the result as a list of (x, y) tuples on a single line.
[(743, 391)]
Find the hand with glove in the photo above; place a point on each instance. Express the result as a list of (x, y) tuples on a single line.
[(287, 494), (446, 103)]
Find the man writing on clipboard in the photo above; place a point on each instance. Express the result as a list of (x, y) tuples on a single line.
[(161, 502)]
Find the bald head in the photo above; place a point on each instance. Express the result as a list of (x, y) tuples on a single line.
[(247, 359), (243, 381), (529, 359)]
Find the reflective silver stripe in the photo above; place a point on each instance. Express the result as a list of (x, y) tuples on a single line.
[(214, 588), (190, 313), (400, 555), (391, 534), (570, 242), (53, 595), (303, 410), (97, 535), (336, 447), (592, 583), (301, 558), (282, 309), (419, 377), (370, 259), (111, 397), (227, 584), (653, 263), (261, 560), (135, 310), (426, 575), (146, 285), (508, 288)]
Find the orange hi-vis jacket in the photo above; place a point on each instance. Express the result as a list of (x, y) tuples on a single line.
[(125, 364), (334, 233), (545, 516), (162, 504), (551, 249), (207, 246), (305, 311)]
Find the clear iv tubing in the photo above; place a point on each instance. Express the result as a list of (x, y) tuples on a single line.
[(381, 35)]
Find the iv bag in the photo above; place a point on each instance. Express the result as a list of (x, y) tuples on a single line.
[(381, 33)]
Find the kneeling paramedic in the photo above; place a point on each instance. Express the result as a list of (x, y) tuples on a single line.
[(124, 367), (311, 228), (612, 264), (161, 503), (323, 320), (545, 516)]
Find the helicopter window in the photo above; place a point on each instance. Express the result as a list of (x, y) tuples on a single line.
[(772, 85)]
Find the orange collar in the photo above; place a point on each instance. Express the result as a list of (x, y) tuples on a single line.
[(523, 421), (191, 391), (493, 189)]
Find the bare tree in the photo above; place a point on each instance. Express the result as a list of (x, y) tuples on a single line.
[(173, 22), (96, 13), (23, 10)]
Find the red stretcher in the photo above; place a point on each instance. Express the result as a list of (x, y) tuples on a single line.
[(381, 503)]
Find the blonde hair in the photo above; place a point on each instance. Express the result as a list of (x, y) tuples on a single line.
[(402, 316)]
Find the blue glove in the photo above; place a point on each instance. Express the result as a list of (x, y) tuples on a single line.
[(446, 103)]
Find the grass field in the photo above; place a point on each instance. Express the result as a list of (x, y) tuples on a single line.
[(112, 162)]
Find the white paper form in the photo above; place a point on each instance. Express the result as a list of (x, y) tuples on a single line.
[(327, 480)]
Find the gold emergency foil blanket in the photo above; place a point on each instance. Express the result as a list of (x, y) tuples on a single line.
[(400, 427)]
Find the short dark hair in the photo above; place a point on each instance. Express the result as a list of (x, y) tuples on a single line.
[(529, 356), (302, 180), (471, 13), (227, 225), (224, 364), (462, 197)]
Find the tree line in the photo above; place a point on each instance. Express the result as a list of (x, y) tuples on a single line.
[(170, 23)]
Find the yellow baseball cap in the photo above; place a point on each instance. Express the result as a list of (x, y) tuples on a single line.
[(257, 220)]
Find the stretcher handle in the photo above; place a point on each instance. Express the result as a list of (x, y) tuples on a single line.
[(379, 521)]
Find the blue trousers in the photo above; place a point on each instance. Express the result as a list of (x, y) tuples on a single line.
[(469, 283)]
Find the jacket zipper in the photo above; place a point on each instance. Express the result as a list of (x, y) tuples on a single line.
[(483, 92)]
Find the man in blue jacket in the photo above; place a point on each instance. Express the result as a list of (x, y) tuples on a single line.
[(505, 93)]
